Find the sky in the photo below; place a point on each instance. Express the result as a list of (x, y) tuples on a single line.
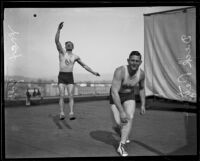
[(103, 38)]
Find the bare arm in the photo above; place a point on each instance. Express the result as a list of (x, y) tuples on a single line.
[(57, 37), (142, 93), (116, 85), (86, 67)]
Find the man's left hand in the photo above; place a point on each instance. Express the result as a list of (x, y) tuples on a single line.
[(97, 74), (142, 112)]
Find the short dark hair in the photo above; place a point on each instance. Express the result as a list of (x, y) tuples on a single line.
[(137, 53), (67, 42)]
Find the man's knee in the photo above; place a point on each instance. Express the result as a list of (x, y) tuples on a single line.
[(114, 108), (61, 96), (70, 96), (130, 116)]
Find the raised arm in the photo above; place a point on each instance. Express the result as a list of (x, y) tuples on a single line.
[(116, 85), (86, 67), (57, 37)]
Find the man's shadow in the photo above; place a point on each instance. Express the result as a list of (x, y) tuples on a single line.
[(108, 138), (58, 122), (105, 136)]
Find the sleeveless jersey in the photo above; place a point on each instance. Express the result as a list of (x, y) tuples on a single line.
[(67, 62), (129, 82)]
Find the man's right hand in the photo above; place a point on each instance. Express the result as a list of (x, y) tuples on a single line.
[(60, 25), (123, 118)]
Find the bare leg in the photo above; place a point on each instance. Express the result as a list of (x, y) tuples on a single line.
[(116, 119), (70, 88), (61, 100), (116, 116), (129, 107)]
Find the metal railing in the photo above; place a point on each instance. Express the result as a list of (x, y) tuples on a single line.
[(14, 90)]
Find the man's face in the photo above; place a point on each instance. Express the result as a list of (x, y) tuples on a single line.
[(69, 46), (134, 62)]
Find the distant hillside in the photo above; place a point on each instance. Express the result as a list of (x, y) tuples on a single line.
[(91, 77), (78, 77), (18, 78)]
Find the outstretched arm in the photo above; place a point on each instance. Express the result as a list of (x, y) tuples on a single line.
[(116, 85), (57, 37), (86, 67)]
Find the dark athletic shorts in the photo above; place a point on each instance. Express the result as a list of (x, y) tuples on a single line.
[(65, 78), (123, 97)]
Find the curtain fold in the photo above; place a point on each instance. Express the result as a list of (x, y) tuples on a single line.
[(170, 54)]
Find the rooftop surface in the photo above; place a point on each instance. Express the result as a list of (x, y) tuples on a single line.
[(37, 132)]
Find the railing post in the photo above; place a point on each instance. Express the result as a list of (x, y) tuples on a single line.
[(95, 93)]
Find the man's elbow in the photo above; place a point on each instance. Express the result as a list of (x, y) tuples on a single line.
[(58, 44), (56, 41), (57, 38), (142, 91), (113, 92)]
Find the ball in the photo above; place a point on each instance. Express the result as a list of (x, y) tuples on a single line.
[(34, 15)]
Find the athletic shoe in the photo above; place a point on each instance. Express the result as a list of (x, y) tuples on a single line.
[(62, 116), (117, 129), (121, 150), (72, 117), (128, 141)]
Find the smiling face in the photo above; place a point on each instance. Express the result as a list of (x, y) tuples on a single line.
[(134, 61)]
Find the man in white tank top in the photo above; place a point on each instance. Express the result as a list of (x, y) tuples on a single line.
[(122, 97), (65, 77)]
